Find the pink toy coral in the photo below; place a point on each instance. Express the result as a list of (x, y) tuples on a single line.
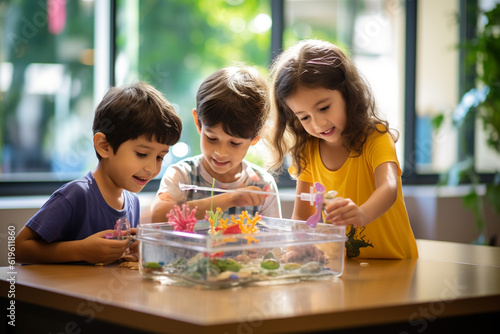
[(182, 219)]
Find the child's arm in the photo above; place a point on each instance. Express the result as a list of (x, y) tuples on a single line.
[(164, 202), (345, 212), (161, 205), (302, 209), (31, 248)]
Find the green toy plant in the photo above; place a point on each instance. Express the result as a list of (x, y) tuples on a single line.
[(482, 102)]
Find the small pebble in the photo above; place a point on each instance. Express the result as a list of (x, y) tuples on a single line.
[(364, 264), (270, 264), (291, 266), (311, 268), (226, 275)]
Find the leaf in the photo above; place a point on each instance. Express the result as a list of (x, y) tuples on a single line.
[(493, 193), (437, 121), (472, 202), (482, 102), (459, 173)]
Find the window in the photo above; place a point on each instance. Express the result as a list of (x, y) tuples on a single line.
[(442, 77), (46, 87), (372, 32), (59, 57), (486, 159), (54, 71), (175, 45), (437, 85)]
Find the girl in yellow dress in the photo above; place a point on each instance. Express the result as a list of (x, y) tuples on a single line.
[(324, 116)]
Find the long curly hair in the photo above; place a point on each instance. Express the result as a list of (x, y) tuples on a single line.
[(318, 64)]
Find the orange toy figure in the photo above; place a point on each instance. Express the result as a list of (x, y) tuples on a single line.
[(216, 221), (247, 225), (243, 224)]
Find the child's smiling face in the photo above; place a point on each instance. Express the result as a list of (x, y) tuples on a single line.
[(321, 111), (136, 162), (222, 153)]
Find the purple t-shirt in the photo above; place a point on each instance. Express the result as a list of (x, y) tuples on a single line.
[(78, 210)]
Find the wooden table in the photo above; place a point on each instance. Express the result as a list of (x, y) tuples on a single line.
[(449, 285)]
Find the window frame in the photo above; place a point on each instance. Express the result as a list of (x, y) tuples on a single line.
[(410, 176), (467, 31)]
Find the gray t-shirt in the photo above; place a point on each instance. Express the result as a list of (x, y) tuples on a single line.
[(191, 171)]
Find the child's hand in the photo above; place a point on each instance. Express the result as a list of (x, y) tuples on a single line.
[(242, 198), (343, 211), (97, 249), (134, 246)]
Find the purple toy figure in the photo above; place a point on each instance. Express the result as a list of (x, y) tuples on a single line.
[(318, 199), (122, 230)]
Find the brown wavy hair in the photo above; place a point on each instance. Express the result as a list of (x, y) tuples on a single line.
[(318, 64)]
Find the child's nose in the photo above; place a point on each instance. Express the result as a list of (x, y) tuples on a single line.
[(319, 122), (221, 150), (151, 166)]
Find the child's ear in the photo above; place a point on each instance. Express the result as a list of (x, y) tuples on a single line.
[(101, 145), (195, 116), (255, 141)]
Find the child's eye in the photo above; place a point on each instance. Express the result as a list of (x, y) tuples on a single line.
[(325, 108), (305, 118), (141, 155), (235, 144), (160, 158), (211, 139)]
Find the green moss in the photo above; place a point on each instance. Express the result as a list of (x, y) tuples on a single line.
[(152, 265), (270, 264), (227, 265)]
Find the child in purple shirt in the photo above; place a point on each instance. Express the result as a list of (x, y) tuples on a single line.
[(134, 127)]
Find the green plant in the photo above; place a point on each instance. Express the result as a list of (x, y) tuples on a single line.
[(482, 102)]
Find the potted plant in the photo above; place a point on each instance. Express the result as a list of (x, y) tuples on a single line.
[(481, 102)]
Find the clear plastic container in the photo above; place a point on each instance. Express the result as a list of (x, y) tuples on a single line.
[(282, 251)]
